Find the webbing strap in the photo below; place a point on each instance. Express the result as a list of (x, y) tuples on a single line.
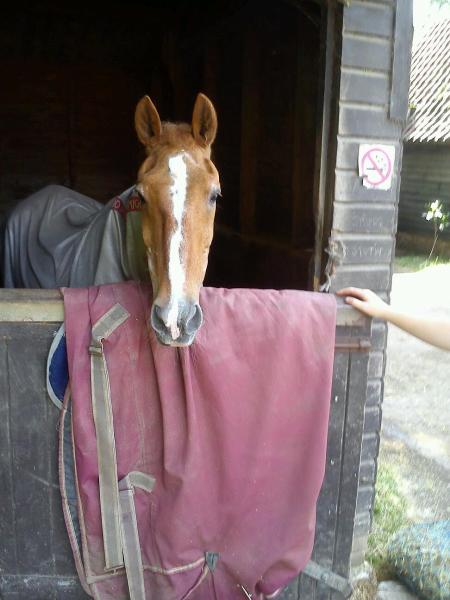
[(104, 429), (332, 580), (138, 479), (129, 531)]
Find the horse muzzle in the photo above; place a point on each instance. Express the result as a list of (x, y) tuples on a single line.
[(176, 325)]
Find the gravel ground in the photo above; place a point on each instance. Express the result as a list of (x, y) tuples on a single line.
[(416, 410)]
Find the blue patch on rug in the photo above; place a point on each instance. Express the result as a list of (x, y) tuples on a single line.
[(57, 368)]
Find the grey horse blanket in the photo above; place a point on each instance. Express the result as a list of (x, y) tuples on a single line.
[(60, 238)]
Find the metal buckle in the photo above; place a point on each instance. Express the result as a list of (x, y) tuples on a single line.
[(95, 349)]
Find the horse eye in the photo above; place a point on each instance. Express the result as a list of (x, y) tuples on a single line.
[(213, 196)]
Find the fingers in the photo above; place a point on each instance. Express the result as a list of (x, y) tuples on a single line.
[(354, 291), (353, 301), (359, 305)]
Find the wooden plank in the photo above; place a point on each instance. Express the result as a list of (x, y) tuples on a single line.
[(365, 121), (369, 19), (304, 135), (374, 392), (367, 53), (211, 68), (250, 124), (348, 150), (364, 218), (367, 472), (33, 153), (364, 249), (364, 502), (363, 87), (425, 177), (377, 277), (8, 551), (376, 364), (349, 188), (31, 305), (372, 419), (401, 64), (354, 417), (370, 444), (32, 483), (379, 335), (41, 587), (46, 306), (328, 500), (290, 592), (43, 566), (331, 30), (307, 588)]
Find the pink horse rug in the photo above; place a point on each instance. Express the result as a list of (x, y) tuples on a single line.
[(197, 469)]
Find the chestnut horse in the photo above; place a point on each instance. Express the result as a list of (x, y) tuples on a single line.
[(179, 185), (60, 238)]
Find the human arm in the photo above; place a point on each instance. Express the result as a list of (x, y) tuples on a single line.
[(431, 330)]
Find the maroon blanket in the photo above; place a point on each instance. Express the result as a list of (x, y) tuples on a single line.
[(233, 430)]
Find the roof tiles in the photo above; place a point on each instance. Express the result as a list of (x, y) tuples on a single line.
[(429, 94)]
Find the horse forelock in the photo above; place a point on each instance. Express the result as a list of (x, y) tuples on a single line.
[(174, 138), (176, 135)]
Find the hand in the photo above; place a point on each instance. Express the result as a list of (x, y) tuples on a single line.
[(365, 301)]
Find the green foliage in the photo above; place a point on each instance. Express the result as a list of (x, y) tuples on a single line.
[(389, 515), (411, 263), (439, 217)]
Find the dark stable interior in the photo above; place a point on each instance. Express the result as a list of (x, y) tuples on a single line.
[(71, 75)]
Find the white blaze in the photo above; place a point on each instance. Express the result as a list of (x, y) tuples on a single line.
[(178, 173)]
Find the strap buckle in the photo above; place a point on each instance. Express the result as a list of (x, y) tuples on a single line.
[(96, 348)]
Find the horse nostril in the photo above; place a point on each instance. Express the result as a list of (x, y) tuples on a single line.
[(156, 319), (194, 320), (188, 320)]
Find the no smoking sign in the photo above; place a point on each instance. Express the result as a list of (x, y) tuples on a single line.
[(376, 165)]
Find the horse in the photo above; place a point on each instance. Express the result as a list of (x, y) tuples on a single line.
[(160, 229)]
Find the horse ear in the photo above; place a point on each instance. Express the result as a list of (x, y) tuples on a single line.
[(204, 121), (147, 121)]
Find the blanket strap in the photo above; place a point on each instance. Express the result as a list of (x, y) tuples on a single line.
[(129, 530), (330, 579), (104, 429)]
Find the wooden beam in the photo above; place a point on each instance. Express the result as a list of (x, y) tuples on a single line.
[(46, 306), (250, 121), (35, 306), (211, 66), (304, 134), (327, 142)]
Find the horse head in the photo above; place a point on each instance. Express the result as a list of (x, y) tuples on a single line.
[(179, 185)]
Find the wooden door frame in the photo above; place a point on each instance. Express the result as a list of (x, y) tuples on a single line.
[(327, 129)]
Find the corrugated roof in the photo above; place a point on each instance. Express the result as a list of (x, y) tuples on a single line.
[(429, 94)]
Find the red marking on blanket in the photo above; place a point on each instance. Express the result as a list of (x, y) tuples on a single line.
[(134, 204)]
